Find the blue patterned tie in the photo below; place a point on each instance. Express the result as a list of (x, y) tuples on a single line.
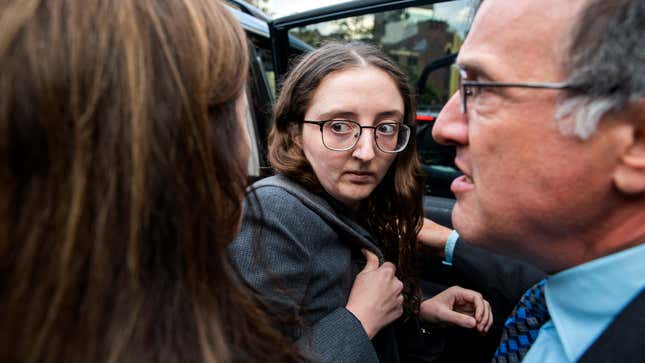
[(522, 327)]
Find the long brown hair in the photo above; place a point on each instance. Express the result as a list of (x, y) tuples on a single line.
[(119, 192), (393, 212)]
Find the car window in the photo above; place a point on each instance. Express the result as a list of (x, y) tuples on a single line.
[(413, 37), (423, 41), (261, 55), (254, 156)]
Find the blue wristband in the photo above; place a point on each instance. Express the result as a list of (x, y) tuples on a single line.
[(449, 250)]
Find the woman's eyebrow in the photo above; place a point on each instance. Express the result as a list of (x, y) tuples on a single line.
[(393, 113), (328, 115)]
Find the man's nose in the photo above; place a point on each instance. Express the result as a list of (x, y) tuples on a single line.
[(364, 149), (451, 126)]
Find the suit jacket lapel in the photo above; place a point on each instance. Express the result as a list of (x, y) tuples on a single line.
[(624, 338)]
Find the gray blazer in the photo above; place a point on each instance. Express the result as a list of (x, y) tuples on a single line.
[(302, 256)]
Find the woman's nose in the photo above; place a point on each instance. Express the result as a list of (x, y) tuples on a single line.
[(364, 149)]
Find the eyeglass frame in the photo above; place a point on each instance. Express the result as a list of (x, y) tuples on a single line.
[(480, 84), (321, 124)]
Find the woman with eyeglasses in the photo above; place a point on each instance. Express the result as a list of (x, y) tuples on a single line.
[(332, 237)]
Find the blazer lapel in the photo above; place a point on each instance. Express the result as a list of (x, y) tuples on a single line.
[(622, 341)]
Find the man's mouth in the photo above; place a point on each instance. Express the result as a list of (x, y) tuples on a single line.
[(463, 183)]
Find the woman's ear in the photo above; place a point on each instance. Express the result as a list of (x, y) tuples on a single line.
[(295, 133), (629, 177)]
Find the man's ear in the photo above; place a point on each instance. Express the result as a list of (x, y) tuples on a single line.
[(629, 176), (295, 133)]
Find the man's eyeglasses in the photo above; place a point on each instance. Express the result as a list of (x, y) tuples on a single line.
[(471, 88), (342, 135)]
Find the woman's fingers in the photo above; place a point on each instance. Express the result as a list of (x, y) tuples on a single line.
[(375, 298), (372, 262), (398, 287), (475, 302), (399, 299), (453, 317), (478, 301), (487, 321), (459, 306), (482, 309), (469, 301)]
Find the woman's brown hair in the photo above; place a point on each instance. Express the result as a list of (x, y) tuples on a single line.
[(119, 190), (393, 213)]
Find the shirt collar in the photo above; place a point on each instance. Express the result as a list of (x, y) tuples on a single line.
[(583, 300)]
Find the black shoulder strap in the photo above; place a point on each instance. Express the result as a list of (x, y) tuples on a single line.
[(624, 339), (320, 206)]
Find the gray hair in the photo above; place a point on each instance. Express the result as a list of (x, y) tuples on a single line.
[(606, 62)]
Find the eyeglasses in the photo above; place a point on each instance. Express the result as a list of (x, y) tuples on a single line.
[(471, 88), (342, 135)]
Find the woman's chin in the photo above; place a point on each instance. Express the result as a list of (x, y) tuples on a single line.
[(353, 195)]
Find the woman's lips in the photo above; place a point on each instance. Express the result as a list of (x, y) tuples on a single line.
[(462, 184), (360, 176)]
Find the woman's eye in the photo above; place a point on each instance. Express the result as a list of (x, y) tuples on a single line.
[(387, 129), (340, 127)]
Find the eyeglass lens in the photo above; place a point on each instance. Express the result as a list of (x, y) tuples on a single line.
[(344, 134)]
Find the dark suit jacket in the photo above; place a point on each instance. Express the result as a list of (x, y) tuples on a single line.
[(624, 339), (504, 282)]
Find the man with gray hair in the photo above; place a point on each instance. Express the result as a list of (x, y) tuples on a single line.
[(549, 125)]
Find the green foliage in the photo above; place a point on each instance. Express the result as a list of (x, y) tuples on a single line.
[(354, 28), (262, 5)]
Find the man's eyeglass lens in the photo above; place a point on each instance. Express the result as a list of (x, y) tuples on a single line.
[(470, 89)]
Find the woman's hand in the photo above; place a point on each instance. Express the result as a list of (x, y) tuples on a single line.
[(459, 306), (433, 236), (376, 298)]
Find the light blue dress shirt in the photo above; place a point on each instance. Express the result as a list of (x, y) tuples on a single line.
[(583, 300)]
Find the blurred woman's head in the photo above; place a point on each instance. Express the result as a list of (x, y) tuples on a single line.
[(119, 190), (344, 123)]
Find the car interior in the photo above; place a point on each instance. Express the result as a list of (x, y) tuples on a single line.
[(423, 38)]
